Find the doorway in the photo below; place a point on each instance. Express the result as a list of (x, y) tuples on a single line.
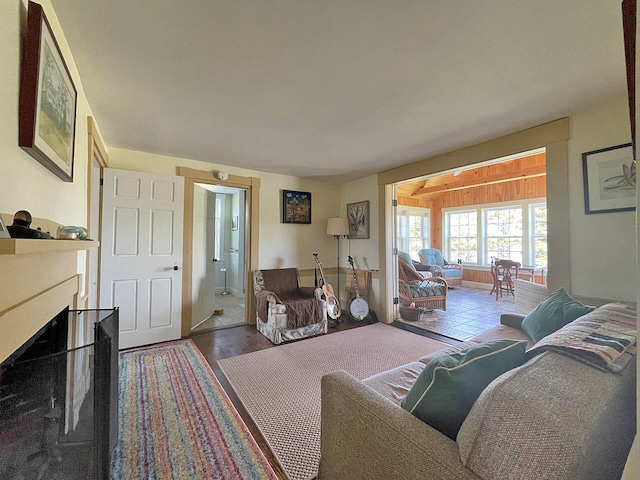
[(496, 209), (218, 257)]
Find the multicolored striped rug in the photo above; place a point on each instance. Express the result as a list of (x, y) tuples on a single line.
[(177, 422)]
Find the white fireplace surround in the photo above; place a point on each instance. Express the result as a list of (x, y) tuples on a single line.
[(38, 279)]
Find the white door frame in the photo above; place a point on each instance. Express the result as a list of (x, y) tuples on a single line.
[(252, 187)]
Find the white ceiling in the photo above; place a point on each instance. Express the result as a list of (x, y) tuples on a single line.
[(337, 89)]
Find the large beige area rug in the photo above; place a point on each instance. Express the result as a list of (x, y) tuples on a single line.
[(280, 387)]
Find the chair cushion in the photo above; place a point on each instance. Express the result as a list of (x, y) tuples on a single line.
[(281, 281), (553, 313), (432, 256), (406, 258), (452, 273), (448, 387), (426, 288)]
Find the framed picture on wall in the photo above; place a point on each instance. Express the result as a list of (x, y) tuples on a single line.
[(609, 176), (358, 215), (47, 113), (296, 207)]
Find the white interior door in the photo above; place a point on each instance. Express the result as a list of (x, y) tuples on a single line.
[(141, 254)]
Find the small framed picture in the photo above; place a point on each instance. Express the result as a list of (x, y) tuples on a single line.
[(609, 176), (296, 207), (4, 233), (358, 215)]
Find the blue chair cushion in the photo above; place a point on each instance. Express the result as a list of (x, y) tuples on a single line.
[(432, 256), (452, 273), (406, 258)]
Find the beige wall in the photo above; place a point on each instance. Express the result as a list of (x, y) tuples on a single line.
[(603, 253), (24, 182), (281, 245)]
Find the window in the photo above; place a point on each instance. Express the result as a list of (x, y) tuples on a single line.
[(515, 231), (220, 204), (413, 231), (504, 233), (463, 236), (539, 216)]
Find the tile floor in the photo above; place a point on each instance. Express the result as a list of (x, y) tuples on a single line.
[(470, 311), (233, 314)]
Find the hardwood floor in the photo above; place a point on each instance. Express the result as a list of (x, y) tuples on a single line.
[(237, 340)]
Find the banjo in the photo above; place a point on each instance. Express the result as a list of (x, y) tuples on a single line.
[(358, 306), (333, 305)]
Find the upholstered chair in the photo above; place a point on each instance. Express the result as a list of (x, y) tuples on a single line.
[(451, 272), (418, 293), (285, 310)]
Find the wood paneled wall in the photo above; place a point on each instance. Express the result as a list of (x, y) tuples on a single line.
[(484, 185)]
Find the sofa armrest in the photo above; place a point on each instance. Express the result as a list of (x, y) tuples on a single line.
[(513, 320), (365, 435)]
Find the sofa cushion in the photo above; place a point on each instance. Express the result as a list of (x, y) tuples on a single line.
[(553, 313), (395, 383), (551, 418), (447, 388)]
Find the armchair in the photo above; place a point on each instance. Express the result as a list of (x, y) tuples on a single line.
[(418, 293), (451, 272), (285, 310)]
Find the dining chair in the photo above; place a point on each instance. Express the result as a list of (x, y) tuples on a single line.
[(504, 273)]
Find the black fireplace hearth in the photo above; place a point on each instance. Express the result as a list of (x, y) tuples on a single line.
[(58, 400)]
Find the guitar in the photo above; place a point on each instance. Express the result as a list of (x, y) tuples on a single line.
[(358, 307), (333, 304)]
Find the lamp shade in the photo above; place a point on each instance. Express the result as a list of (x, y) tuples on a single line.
[(337, 226)]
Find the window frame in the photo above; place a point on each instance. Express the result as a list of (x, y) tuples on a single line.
[(528, 228), (404, 242)]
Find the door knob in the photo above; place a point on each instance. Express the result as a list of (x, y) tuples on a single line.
[(175, 267)]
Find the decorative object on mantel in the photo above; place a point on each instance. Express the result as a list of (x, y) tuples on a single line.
[(358, 214), (20, 228), (4, 233), (71, 232), (609, 176), (296, 207), (47, 98)]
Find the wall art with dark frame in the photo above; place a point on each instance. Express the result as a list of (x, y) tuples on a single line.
[(47, 98), (296, 207), (609, 176), (358, 215)]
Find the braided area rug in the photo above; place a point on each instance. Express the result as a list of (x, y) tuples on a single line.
[(280, 387), (177, 422)]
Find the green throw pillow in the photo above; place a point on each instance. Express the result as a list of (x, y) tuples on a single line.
[(449, 385), (553, 313)]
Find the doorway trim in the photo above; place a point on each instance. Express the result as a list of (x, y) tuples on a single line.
[(252, 186), (553, 136), (98, 159)]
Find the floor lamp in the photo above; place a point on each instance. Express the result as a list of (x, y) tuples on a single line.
[(338, 226)]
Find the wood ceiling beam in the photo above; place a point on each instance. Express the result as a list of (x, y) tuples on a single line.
[(464, 183)]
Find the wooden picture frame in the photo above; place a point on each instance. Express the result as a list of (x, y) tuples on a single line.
[(358, 215), (48, 98), (296, 207), (609, 176)]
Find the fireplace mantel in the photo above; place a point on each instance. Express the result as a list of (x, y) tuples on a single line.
[(19, 246), (38, 279)]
